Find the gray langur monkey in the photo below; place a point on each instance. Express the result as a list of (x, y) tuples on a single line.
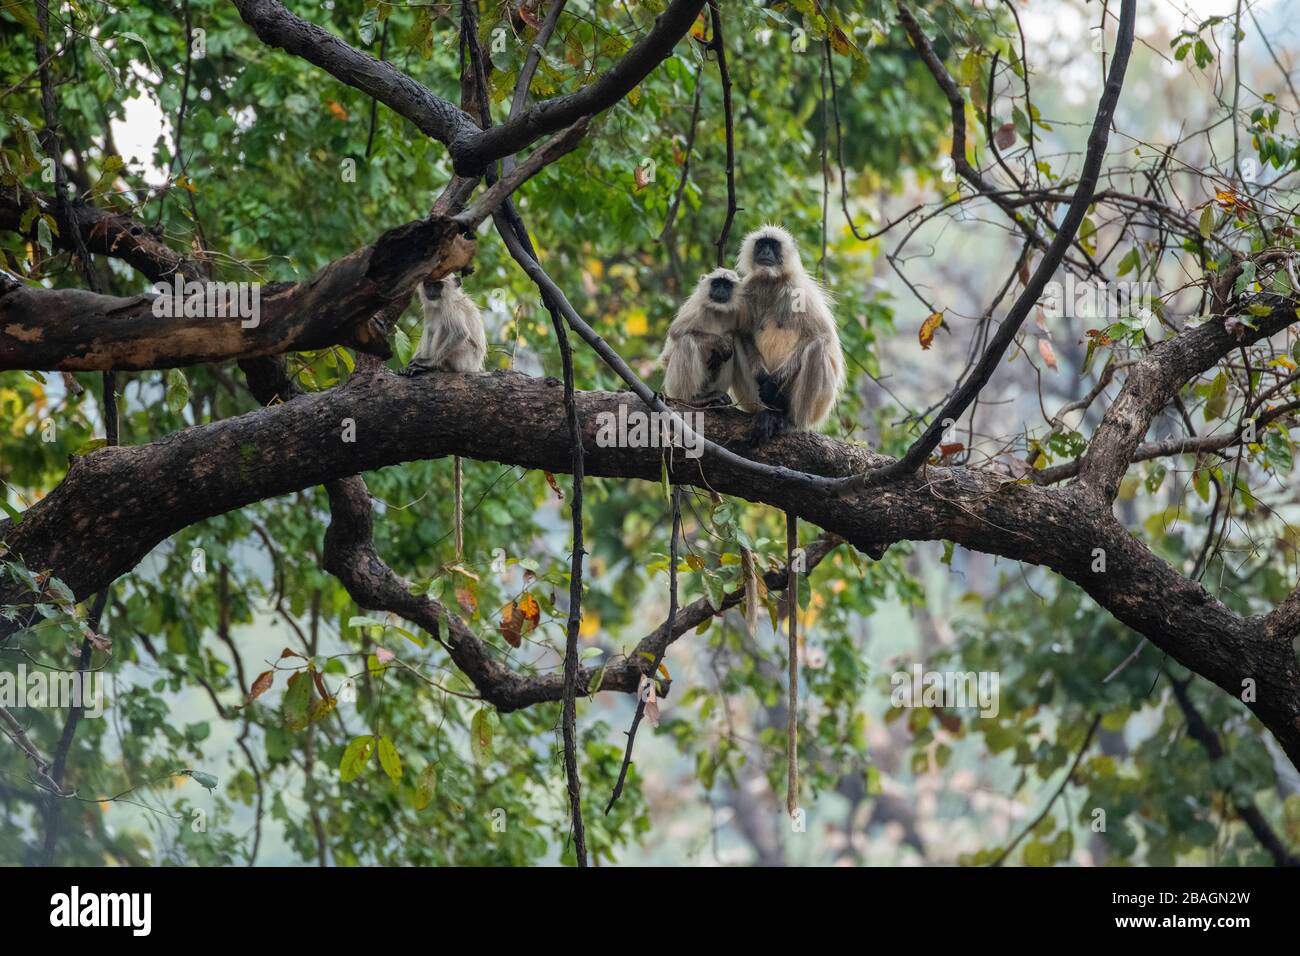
[(798, 343), (710, 348), (453, 341), (801, 375)]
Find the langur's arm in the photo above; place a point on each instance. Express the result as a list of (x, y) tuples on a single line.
[(813, 391), (695, 363), (745, 372)]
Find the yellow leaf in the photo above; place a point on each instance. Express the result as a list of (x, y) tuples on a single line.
[(637, 323), (929, 327)]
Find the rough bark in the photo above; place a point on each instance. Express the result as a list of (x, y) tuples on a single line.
[(75, 330), (118, 503)]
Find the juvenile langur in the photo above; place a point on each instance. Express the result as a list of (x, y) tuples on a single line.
[(453, 341), (798, 344), (710, 349)]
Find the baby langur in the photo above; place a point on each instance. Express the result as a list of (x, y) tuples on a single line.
[(453, 339), (798, 344), (710, 348)]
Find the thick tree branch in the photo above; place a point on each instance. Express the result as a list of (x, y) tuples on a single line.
[(1155, 381), (472, 149), (434, 116), (116, 504), (75, 330), (103, 232)]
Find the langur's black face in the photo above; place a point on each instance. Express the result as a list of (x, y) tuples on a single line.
[(767, 252), (433, 287), (720, 289)]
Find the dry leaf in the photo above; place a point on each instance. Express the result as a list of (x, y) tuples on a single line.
[(519, 617), (1005, 136), (929, 327), (550, 480), (337, 110), (646, 691), (1046, 351), (260, 686)]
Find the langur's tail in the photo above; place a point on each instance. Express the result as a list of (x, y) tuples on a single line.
[(792, 631), (750, 571), (458, 518)]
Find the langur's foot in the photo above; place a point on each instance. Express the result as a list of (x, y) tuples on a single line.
[(714, 400), (413, 370), (767, 423), (770, 394)]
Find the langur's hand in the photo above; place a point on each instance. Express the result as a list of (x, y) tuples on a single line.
[(717, 356)]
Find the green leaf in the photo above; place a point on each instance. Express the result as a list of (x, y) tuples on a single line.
[(129, 35), (1207, 221), (366, 27), (43, 237), (297, 700), (389, 760), (480, 735), (425, 786), (105, 62), (18, 10), (205, 780), (355, 757), (1201, 481), (715, 588), (112, 165), (1132, 260), (11, 511), (1216, 403), (178, 391)]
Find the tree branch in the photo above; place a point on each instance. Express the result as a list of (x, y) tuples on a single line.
[(76, 330), (116, 504)]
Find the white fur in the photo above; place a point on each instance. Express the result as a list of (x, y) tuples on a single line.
[(700, 327), (453, 339), (794, 329)]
